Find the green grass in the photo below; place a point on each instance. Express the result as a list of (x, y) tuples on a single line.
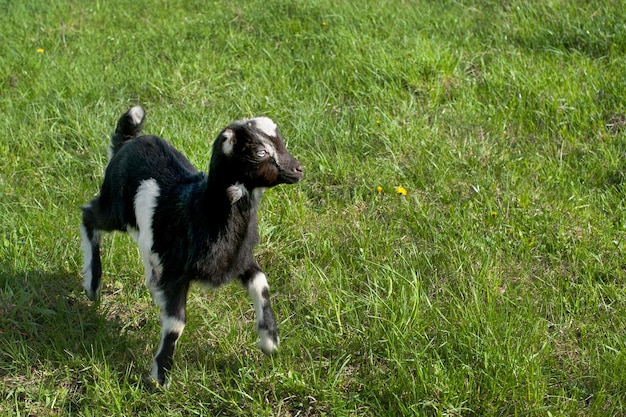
[(494, 287)]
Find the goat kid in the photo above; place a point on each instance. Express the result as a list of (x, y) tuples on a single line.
[(189, 225)]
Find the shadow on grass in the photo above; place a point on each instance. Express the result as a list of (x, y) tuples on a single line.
[(46, 322)]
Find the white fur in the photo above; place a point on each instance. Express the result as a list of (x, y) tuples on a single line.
[(87, 246), (266, 343), (265, 125), (268, 127), (255, 290), (270, 148), (235, 192), (137, 113), (145, 203), (168, 325), (155, 290), (227, 146)]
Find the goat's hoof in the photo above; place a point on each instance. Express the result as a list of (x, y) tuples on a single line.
[(152, 385), (93, 296), (268, 343)]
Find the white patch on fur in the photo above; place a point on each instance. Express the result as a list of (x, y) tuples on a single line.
[(266, 343), (145, 203), (153, 285), (270, 148), (268, 127), (137, 114), (227, 145), (87, 246), (172, 325), (235, 192), (255, 290), (265, 125), (168, 325)]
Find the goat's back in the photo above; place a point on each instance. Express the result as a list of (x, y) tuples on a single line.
[(143, 158)]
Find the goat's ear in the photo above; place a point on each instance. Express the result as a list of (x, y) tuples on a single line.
[(228, 142)]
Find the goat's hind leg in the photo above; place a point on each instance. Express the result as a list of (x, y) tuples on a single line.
[(172, 299), (90, 242), (258, 289)]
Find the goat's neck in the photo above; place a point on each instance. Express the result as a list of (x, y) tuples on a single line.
[(231, 201), (228, 230), (233, 222)]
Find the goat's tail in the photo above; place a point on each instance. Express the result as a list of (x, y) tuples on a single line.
[(128, 127)]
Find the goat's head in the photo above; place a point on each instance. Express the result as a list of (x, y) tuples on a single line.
[(254, 154)]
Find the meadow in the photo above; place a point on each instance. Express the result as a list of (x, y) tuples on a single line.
[(455, 249)]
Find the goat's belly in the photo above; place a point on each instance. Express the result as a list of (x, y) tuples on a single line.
[(208, 285), (212, 281)]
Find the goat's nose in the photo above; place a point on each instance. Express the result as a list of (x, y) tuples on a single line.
[(297, 169)]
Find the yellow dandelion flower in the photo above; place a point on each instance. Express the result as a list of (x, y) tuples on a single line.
[(379, 189), (378, 121), (40, 50), (324, 24), (401, 190)]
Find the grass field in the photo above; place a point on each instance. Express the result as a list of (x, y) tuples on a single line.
[(494, 286)]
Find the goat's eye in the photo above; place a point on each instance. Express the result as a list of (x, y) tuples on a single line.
[(261, 153)]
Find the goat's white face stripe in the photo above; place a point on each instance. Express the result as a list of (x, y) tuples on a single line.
[(268, 127), (270, 148), (265, 125)]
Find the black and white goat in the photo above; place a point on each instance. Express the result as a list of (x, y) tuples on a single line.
[(189, 225)]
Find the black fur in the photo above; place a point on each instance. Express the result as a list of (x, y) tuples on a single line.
[(204, 226)]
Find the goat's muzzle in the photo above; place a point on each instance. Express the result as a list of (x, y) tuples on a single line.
[(292, 172)]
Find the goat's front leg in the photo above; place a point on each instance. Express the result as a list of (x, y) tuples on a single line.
[(258, 289), (90, 242), (173, 301)]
